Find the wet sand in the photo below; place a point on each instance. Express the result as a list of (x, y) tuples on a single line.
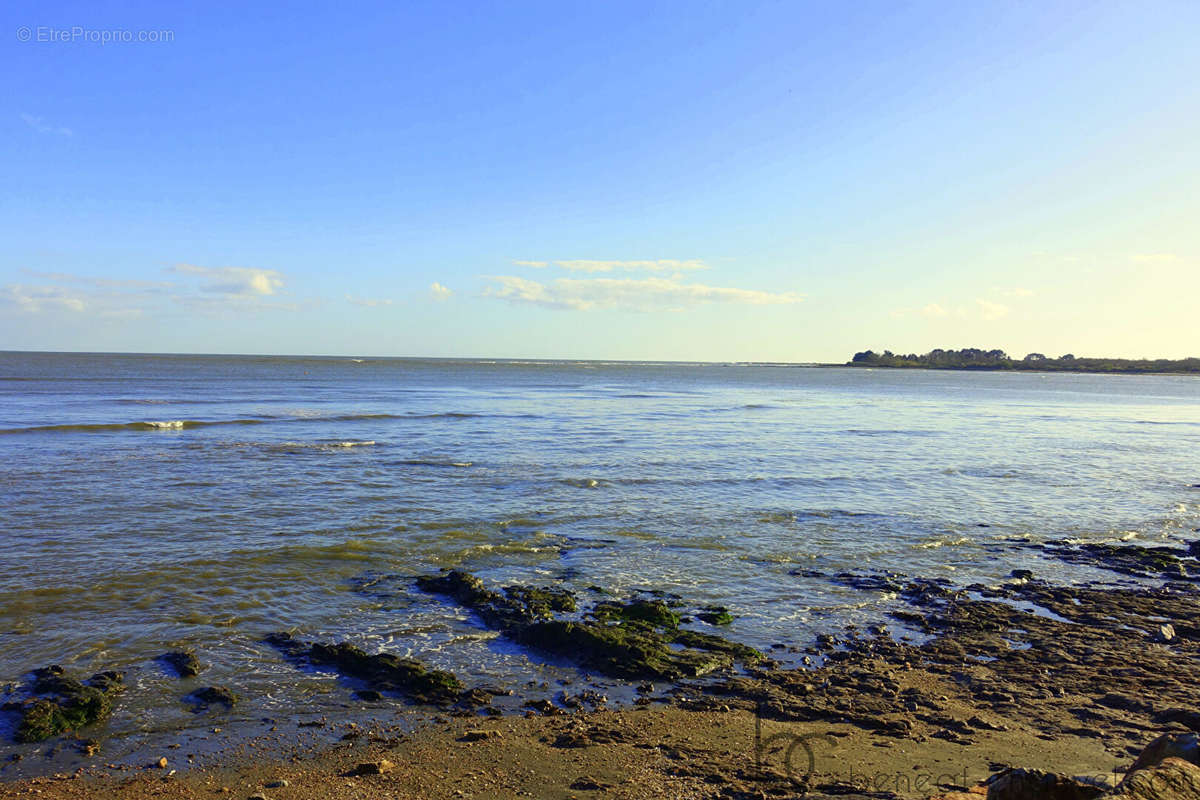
[(1072, 680)]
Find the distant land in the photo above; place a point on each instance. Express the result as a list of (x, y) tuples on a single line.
[(972, 358)]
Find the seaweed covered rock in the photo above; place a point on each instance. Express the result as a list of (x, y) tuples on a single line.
[(64, 704), (651, 612), (1130, 559), (636, 639), (183, 662), (715, 615), (382, 672), (205, 698), (542, 602)]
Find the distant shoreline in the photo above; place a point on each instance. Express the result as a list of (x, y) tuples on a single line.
[(1014, 368), (974, 359)]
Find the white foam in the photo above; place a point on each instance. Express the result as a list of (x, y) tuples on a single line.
[(170, 424)]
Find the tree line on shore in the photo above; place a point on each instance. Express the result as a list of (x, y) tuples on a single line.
[(974, 358)]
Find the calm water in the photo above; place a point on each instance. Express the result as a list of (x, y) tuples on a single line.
[(159, 501)]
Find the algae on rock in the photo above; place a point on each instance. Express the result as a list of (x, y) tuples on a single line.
[(636, 639), (65, 704)]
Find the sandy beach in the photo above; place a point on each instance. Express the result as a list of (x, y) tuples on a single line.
[(1072, 681)]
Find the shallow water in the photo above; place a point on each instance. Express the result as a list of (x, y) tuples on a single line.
[(152, 502)]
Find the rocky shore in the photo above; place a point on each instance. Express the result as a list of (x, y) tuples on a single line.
[(1012, 690)]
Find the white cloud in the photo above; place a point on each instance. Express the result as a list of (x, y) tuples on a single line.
[(235, 281), (368, 302), (35, 299), (990, 311), (986, 310), (656, 265), (439, 292), (648, 294), (41, 126), (534, 264), (123, 284)]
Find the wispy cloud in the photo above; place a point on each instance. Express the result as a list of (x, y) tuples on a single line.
[(36, 299), (980, 308), (990, 311), (368, 302), (235, 281), (41, 126), (597, 266), (101, 282), (439, 292), (204, 289), (647, 294)]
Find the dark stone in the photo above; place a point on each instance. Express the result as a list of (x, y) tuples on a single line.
[(202, 699), (65, 704), (382, 672), (1130, 559), (1022, 574), (183, 662), (1184, 716), (715, 615), (637, 639), (1169, 745), (1032, 784)]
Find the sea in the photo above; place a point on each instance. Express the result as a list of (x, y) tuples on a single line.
[(162, 502)]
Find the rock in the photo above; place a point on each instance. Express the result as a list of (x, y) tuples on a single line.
[(382, 671), (652, 612), (1033, 784), (1129, 559), (1170, 779), (1021, 574), (161, 763), (203, 699), (280, 784), (65, 704), (715, 615), (590, 785), (373, 767), (1169, 745), (183, 662), (479, 735), (637, 639), (1185, 717), (1165, 633), (1123, 702), (369, 695)]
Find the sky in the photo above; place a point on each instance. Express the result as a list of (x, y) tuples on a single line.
[(741, 181)]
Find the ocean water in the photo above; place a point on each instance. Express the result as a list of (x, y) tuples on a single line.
[(153, 502)]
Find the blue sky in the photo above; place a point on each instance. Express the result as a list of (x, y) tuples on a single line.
[(698, 181)]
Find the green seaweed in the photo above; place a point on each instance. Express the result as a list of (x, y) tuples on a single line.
[(66, 704), (637, 639), (715, 615), (381, 671), (651, 612)]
